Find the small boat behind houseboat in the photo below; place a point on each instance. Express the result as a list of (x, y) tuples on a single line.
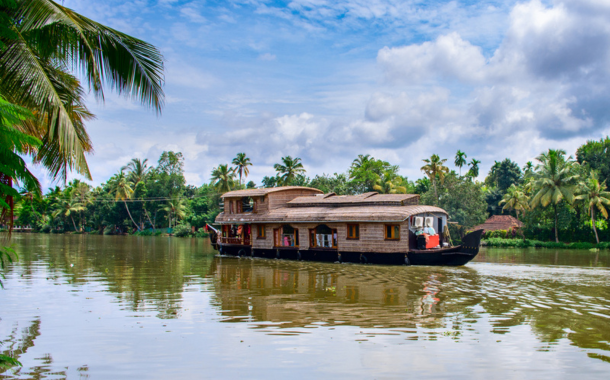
[(301, 223)]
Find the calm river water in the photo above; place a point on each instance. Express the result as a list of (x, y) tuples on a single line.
[(112, 307)]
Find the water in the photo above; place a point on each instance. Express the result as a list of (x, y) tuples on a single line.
[(113, 307)]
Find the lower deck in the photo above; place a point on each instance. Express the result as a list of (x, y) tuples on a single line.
[(449, 256)]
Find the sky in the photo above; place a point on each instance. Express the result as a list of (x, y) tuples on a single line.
[(328, 80)]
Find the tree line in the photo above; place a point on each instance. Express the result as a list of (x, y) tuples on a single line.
[(557, 196)]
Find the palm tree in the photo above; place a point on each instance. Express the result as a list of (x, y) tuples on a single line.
[(473, 172), (119, 185), (361, 161), (47, 39), (460, 160), (595, 197), (175, 208), (241, 163), (66, 207), (223, 178), (138, 170), (13, 144), (389, 183), (554, 181), (82, 193), (515, 199), (290, 169), (434, 168)]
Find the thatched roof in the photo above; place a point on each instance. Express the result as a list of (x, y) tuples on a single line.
[(390, 214), (366, 199), (265, 191), (499, 222)]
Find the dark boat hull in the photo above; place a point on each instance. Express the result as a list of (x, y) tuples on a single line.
[(452, 256)]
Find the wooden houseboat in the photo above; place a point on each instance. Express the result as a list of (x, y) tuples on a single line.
[(301, 223)]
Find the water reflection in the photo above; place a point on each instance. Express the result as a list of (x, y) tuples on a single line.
[(186, 302), (556, 303)]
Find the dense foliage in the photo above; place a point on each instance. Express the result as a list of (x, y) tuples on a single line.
[(556, 197)]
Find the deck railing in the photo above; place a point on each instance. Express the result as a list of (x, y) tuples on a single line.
[(235, 240)]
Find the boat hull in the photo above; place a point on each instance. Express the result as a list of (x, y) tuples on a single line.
[(452, 256)]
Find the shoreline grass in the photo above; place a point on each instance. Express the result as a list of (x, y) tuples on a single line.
[(520, 243)]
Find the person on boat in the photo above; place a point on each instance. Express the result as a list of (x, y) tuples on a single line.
[(429, 229)]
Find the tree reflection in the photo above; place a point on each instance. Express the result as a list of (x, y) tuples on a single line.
[(299, 294)]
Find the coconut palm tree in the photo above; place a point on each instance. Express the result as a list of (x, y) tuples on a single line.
[(515, 199), (473, 172), (67, 207), (289, 170), (595, 197), (241, 163), (389, 183), (554, 181), (138, 170), (46, 40), (460, 160), (223, 178), (14, 144), (435, 168), (361, 161), (175, 209), (119, 185)]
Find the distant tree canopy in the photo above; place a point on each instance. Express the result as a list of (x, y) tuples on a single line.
[(554, 196), (463, 200), (596, 155), (504, 174)]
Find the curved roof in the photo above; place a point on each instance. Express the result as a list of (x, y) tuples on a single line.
[(265, 191), (499, 222), (371, 199), (327, 214)]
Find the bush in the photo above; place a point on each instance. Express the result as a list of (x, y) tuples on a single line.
[(519, 243), (148, 232), (183, 230), (202, 233), (109, 230), (158, 233), (45, 229)]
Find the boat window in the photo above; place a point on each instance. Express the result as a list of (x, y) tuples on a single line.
[(353, 231), (247, 204), (287, 236), (392, 231), (323, 237), (260, 231)]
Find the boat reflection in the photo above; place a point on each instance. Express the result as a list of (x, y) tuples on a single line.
[(554, 303), (298, 293)]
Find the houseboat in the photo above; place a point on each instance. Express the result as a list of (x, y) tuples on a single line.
[(301, 223)]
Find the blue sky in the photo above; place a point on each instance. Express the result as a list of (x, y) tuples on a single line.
[(328, 80)]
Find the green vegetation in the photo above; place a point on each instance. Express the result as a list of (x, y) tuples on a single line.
[(520, 243), (557, 197)]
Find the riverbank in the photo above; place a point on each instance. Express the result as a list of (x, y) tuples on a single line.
[(158, 232), (520, 243)]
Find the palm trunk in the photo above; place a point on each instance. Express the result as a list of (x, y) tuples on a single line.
[(73, 223), (133, 221), (151, 222), (593, 224), (435, 192), (556, 234)]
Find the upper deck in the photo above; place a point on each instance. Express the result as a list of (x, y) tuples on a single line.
[(303, 204)]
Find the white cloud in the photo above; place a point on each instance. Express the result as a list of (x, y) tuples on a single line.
[(267, 57), (449, 57)]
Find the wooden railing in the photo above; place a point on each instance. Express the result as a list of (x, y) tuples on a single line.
[(235, 240)]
